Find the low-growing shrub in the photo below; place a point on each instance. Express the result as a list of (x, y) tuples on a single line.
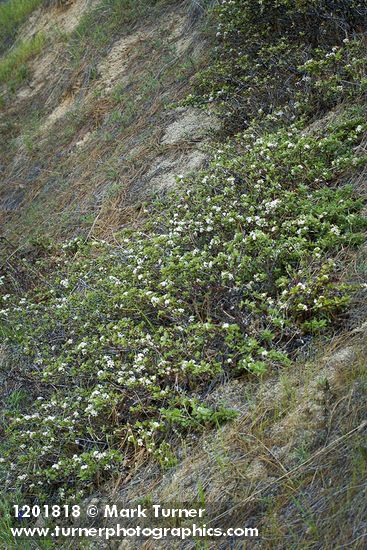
[(227, 278), (283, 59)]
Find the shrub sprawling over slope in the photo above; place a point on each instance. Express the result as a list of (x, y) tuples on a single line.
[(120, 342)]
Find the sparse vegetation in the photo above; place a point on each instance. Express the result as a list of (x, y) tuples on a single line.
[(98, 27)]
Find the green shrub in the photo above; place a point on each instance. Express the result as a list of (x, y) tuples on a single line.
[(266, 50), (226, 279)]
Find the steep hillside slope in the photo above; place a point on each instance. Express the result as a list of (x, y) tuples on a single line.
[(183, 267), (84, 143)]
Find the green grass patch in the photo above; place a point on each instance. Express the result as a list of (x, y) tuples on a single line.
[(14, 66), (12, 14)]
